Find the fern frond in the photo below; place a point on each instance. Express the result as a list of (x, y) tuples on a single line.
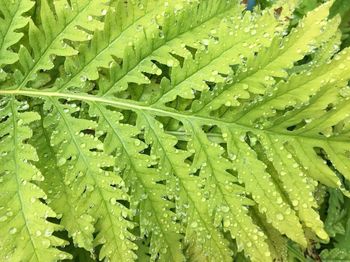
[(26, 234), (336, 254), (98, 189), (304, 186), (67, 23), (262, 188), (157, 221), (62, 198), (11, 20), (213, 58), (226, 197), (321, 87), (137, 36), (259, 73), (199, 228), (278, 244)]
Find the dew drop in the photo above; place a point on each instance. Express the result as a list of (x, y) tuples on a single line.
[(279, 200), (279, 217), (194, 224), (228, 103), (3, 218), (13, 230), (295, 203), (225, 209), (61, 161), (170, 63)]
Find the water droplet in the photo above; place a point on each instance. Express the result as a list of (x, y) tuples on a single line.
[(279, 217), (205, 42), (194, 224), (170, 63), (13, 230), (48, 233), (4, 153), (61, 161), (279, 200), (227, 223), (225, 209)]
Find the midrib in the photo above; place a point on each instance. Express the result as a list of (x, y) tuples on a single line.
[(134, 106)]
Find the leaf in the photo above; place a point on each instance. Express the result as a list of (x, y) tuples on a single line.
[(26, 232), (335, 255), (98, 190), (12, 19), (66, 22), (142, 37), (338, 224), (62, 198), (156, 219)]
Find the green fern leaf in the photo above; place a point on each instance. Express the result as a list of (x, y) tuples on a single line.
[(281, 55), (200, 231), (25, 232), (139, 40), (12, 20), (67, 22), (98, 191), (156, 219), (335, 255), (62, 198)]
